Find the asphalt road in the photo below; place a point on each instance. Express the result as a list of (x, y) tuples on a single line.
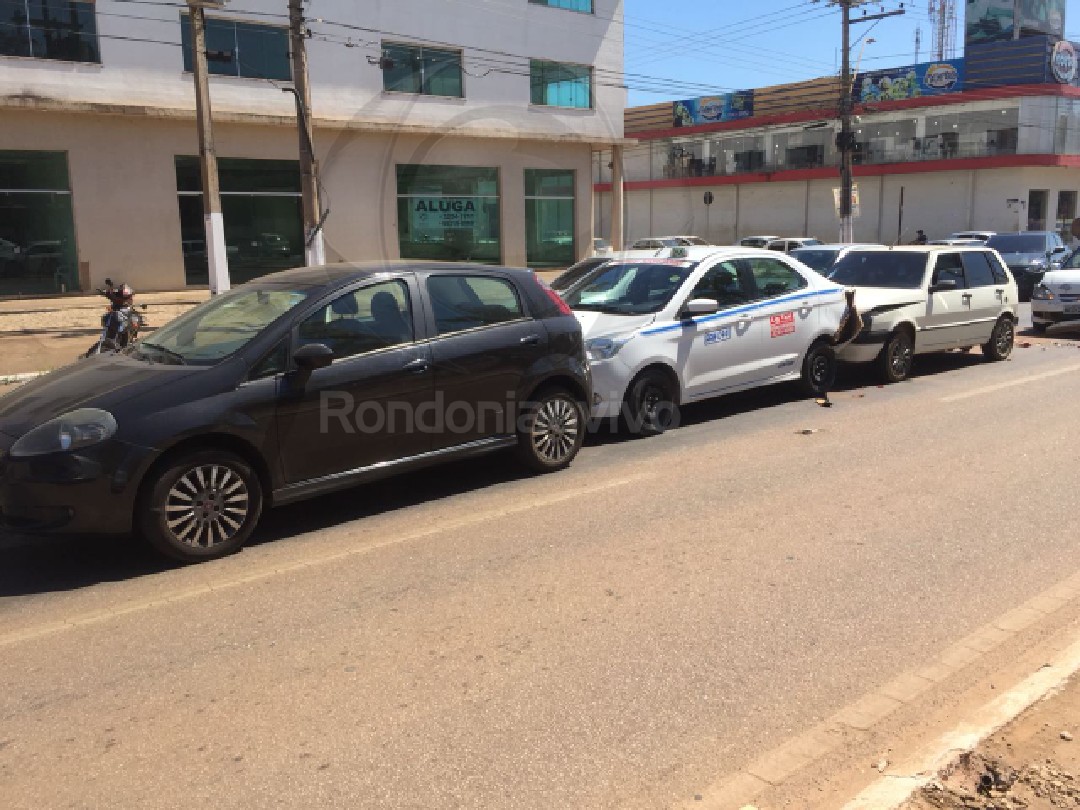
[(622, 634)]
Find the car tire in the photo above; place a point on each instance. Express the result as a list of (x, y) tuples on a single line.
[(215, 499), (894, 362), (551, 430), (650, 404), (818, 369), (1002, 339)]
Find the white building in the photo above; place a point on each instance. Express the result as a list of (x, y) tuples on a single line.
[(462, 129)]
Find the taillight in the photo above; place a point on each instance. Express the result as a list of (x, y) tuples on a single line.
[(556, 299)]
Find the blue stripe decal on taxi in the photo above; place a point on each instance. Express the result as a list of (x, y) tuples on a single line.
[(728, 313)]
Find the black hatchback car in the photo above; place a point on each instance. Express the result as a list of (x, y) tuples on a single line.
[(290, 386)]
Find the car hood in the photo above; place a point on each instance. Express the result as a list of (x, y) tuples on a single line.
[(98, 382), (870, 298), (1067, 280), (601, 324)]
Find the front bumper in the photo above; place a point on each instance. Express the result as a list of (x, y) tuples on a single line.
[(1054, 311), (609, 380), (866, 346), (91, 491)]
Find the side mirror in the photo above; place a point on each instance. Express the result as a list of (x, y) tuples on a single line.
[(312, 356), (700, 306), (943, 286)]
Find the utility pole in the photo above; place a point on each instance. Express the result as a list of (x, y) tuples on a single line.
[(314, 244), (845, 141), (216, 253)]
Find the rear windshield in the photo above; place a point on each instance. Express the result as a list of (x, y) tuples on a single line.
[(881, 268), (816, 259), (1018, 243)]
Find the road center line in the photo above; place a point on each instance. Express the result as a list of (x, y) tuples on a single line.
[(989, 389), (271, 570)]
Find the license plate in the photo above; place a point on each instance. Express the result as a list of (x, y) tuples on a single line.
[(1071, 309)]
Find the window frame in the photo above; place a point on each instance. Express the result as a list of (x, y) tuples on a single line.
[(989, 266), (433, 322), (419, 336), (761, 294), (30, 30), (550, 4), (187, 40), (958, 256), (535, 62), (420, 48)]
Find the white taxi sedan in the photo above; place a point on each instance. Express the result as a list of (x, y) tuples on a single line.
[(703, 322), (1057, 297)]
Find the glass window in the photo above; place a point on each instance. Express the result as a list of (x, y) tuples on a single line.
[(275, 362), (977, 269), (555, 84), (949, 268), (369, 319), (216, 329), (37, 230), (630, 288), (49, 29), (263, 213), (876, 268), (997, 267), (1038, 201), (470, 302), (772, 277), (818, 259), (449, 213), (725, 285), (549, 217), (1066, 213), (417, 69), (572, 5), (244, 49)]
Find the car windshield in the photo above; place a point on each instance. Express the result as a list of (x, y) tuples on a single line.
[(630, 288), (1073, 261), (880, 268), (576, 272), (222, 326), (819, 259), (1018, 243)]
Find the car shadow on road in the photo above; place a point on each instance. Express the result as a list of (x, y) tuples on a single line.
[(48, 564)]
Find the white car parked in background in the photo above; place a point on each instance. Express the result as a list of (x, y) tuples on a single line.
[(1056, 298), (915, 300), (703, 322)]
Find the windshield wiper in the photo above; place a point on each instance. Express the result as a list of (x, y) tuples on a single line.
[(174, 356)]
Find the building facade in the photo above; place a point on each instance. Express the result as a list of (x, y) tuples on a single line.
[(989, 142), (459, 130)]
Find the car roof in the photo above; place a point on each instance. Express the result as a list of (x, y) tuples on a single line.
[(336, 275), (923, 248), (841, 245)]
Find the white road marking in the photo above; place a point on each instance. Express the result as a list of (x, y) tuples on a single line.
[(989, 389), (272, 569)]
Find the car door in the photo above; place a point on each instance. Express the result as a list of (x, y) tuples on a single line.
[(987, 295), (788, 322), (947, 323), (485, 341), (365, 407), (721, 352)]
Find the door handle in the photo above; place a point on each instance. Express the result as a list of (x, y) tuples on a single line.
[(966, 296), (742, 324), (417, 366), (530, 340)]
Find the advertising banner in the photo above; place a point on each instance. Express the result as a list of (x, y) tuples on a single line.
[(1037, 17), (989, 21), (713, 109), (913, 81), (432, 215)]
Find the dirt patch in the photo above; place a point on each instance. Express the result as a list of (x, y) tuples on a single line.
[(1031, 764)]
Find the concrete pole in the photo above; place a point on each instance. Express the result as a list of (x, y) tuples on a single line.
[(617, 198), (216, 254), (314, 244), (846, 137)]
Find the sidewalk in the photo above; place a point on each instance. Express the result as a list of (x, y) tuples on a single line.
[(40, 334), (1032, 763)]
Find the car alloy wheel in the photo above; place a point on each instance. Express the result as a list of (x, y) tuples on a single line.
[(651, 405), (555, 429), (200, 505), (1002, 339), (819, 369), (897, 356), (207, 506), (551, 430)]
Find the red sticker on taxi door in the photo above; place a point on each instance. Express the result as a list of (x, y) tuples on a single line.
[(782, 324)]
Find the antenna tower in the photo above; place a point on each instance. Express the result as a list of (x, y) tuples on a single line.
[(943, 22)]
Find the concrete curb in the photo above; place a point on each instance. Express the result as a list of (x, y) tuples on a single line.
[(11, 379)]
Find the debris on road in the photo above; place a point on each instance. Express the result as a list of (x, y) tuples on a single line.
[(1066, 736)]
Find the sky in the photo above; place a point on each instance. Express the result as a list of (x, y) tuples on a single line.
[(679, 49)]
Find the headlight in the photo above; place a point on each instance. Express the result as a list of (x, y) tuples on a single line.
[(72, 431), (1042, 293), (603, 348)]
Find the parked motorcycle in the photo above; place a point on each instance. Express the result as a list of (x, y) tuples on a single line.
[(121, 322)]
